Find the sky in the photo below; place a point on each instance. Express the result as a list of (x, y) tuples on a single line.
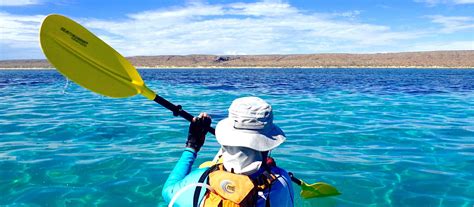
[(242, 27)]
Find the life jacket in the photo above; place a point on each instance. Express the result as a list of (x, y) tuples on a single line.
[(234, 190)]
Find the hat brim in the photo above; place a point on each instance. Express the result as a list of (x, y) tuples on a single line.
[(260, 140)]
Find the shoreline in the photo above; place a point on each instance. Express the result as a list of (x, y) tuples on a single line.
[(270, 67)]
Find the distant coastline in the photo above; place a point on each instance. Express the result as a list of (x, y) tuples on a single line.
[(435, 59)]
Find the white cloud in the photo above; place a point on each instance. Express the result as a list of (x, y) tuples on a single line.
[(450, 45), (436, 2), (452, 24), (349, 14), (19, 36), (19, 2), (267, 27), (242, 28), (266, 8), (19, 31)]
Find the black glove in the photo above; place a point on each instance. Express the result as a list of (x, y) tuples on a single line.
[(197, 131)]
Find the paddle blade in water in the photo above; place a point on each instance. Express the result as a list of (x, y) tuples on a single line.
[(316, 190), (87, 60)]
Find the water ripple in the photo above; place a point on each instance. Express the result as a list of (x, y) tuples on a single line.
[(384, 137)]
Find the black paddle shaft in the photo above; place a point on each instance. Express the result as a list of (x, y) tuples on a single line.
[(294, 179), (177, 110)]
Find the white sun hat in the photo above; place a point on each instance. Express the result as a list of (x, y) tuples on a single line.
[(250, 124)]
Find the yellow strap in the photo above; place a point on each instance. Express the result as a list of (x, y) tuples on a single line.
[(210, 163)]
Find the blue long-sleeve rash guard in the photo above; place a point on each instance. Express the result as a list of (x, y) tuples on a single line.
[(280, 194)]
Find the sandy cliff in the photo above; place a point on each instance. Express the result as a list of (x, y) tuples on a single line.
[(451, 59)]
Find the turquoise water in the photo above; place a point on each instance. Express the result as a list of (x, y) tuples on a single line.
[(384, 137)]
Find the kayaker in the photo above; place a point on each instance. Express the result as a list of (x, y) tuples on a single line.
[(246, 176)]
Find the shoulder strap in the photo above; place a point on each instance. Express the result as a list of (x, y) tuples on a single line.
[(265, 180), (198, 189)]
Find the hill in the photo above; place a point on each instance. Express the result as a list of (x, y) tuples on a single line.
[(437, 59)]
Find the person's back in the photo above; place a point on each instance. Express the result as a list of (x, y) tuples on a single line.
[(246, 176)]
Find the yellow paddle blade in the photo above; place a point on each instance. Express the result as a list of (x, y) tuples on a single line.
[(87, 60), (316, 190)]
